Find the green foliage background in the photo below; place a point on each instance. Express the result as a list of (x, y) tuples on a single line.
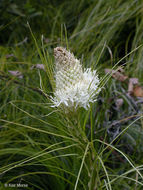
[(43, 147)]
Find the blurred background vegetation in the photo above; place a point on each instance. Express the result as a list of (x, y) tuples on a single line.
[(89, 25), (100, 33)]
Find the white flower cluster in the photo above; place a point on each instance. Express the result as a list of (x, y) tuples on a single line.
[(74, 87)]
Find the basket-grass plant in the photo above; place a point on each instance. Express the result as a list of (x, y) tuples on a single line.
[(66, 147), (47, 147)]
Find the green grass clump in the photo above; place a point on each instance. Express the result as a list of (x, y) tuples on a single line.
[(42, 146)]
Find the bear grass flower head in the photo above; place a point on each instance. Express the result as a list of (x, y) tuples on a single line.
[(75, 86)]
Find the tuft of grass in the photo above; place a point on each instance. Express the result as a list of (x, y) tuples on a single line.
[(45, 148)]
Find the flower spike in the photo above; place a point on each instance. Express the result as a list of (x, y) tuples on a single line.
[(75, 87)]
